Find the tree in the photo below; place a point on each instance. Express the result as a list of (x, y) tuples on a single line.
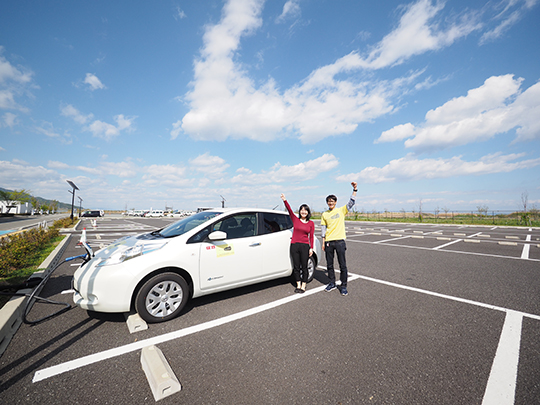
[(525, 217), (525, 200), (35, 203), (54, 206), (482, 209)]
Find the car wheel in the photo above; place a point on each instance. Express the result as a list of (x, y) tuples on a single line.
[(311, 269), (162, 297)]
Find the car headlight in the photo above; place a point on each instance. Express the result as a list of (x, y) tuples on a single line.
[(130, 253)]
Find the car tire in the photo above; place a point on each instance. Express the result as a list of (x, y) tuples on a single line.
[(311, 269), (162, 298)]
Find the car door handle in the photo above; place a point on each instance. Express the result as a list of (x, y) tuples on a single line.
[(255, 244)]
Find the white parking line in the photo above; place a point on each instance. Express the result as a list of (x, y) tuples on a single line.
[(118, 351), (526, 248), (393, 239), (501, 386), (447, 244)]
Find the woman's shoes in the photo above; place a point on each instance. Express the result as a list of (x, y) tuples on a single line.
[(299, 291)]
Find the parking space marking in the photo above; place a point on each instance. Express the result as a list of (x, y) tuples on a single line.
[(393, 239), (131, 347), (526, 248), (438, 248), (502, 379), (447, 244), (501, 386), (449, 297)]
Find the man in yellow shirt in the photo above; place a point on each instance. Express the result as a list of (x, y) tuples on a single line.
[(333, 236)]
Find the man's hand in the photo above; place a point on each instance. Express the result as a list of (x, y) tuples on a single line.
[(354, 184)]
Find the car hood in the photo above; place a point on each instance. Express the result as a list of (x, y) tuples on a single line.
[(129, 247)]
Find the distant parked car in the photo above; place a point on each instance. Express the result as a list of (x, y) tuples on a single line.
[(208, 252), (180, 214), (154, 213), (94, 213)]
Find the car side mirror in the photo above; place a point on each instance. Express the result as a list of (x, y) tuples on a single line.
[(217, 235)]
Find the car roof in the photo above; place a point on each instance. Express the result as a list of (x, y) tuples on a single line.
[(244, 209)]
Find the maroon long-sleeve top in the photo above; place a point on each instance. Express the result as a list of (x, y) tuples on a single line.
[(303, 232)]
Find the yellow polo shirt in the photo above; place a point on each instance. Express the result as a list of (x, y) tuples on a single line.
[(335, 223)]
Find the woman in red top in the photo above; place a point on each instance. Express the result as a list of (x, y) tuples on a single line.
[(301, 243)]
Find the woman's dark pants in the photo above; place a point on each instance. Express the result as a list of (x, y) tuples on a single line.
[(300, 256)]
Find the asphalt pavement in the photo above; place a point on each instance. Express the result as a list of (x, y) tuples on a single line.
[(434, 315)]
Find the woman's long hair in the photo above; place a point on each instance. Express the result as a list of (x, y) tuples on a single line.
[(308, 216)]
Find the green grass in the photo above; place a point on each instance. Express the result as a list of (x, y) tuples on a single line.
[(458, 219), (19, 276)]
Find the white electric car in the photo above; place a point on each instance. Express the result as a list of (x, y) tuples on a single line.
[(211, 251)]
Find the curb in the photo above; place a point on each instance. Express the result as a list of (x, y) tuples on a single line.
[(11, 314)]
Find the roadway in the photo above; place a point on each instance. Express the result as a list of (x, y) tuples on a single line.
[(435, 314), (15, 223)]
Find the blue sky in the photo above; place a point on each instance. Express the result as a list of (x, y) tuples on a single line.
[(176, 103)]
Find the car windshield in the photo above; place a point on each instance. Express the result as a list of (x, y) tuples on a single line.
[(187, 224)]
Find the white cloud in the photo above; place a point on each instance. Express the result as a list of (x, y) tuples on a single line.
[(410, 168), (70, 111), (18, 175), (177, 129), (511, 12), (57, 165), (179, 14), (166, 175), (278, 173), (226, 103), (99, 128), (397, 133), (291, 9), (417, 33), (93, 81), (14, 81), (10, 73), (48, 129), (209, 165), (496, 107), (10, 120)]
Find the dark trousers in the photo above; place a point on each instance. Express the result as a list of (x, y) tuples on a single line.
[(339, 247), (300, 256)]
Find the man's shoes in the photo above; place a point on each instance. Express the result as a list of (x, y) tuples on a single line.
[(344, 291), (330, 287)]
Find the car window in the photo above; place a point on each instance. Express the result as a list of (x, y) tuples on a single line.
[(187, 224), (200, 236), (275, 222), (237, 226)]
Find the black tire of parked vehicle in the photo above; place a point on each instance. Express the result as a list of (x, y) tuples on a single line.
[(311, 270), (162, 297)]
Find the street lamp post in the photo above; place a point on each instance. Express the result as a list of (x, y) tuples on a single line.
[(74, 187), (80, 205)]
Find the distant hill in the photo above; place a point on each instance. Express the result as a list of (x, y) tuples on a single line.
[(43, 201)]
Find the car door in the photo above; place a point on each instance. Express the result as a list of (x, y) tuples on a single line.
[(276, 234), (234, 260)]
